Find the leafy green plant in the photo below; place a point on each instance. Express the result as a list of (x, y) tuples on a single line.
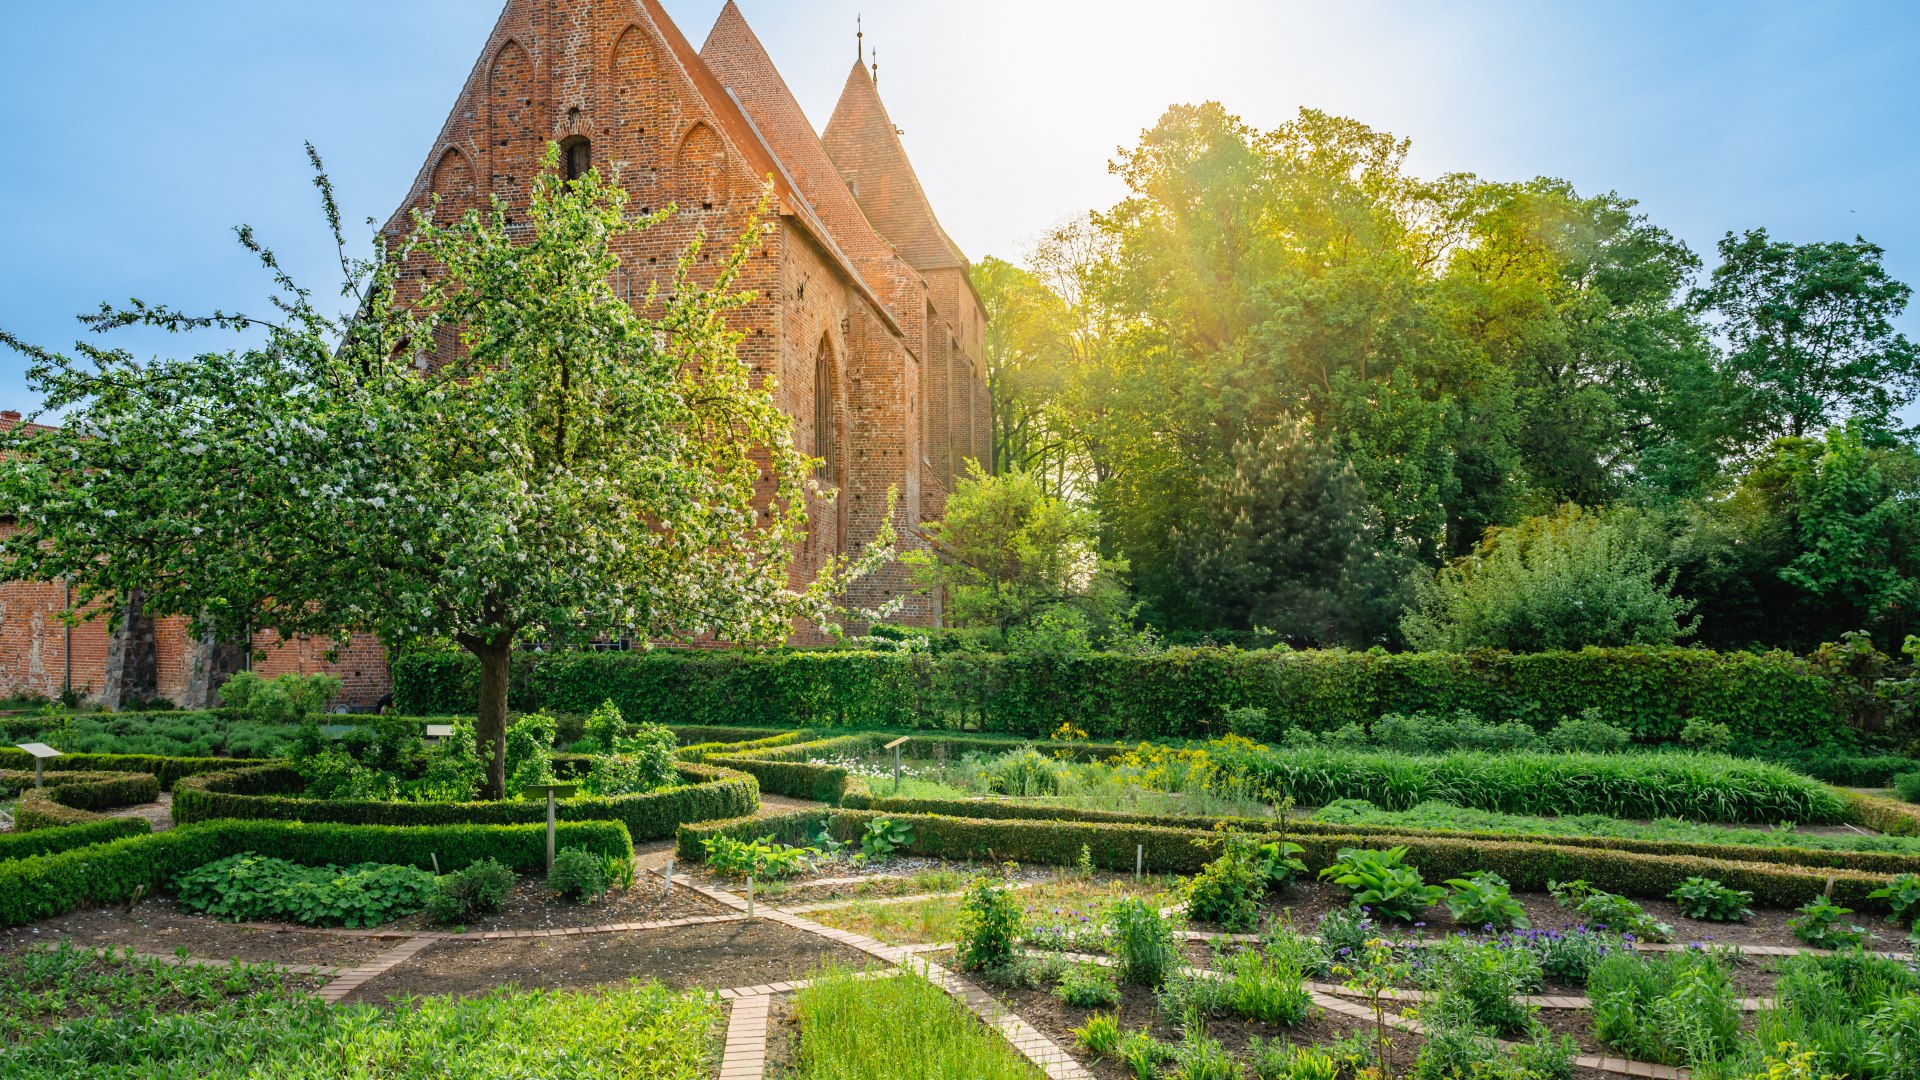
[(1706, 735), (1567, 955), (1894, 1029), (1100, 1034), (1372, 971), (1484, 899), (762, 858), (990, 919), (288, 698), (1705, 898), (253, 888), (1907, 786), (1818, 924), (1902, 895), (1142, 941), (1278, 1060), (884, 836), (1681, 1009), (1280, 861), (578, 875), (1187, 997), (1027, 772), (1227, 891), (1143, 1055), (1269, 984), (1484, 980), (604, 726), (1588, 734), (1382, 882), (1088, 986), (1201, 1057), (1604, 909), (477, 890)]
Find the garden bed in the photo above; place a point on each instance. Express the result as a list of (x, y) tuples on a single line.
[(158, 927), (533, 906)]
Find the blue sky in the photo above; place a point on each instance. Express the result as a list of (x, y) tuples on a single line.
[(133, 136)]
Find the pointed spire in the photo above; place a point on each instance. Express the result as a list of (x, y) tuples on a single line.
[(859, 39), (876, 65)]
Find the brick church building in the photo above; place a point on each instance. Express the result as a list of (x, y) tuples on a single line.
[(865, 317)]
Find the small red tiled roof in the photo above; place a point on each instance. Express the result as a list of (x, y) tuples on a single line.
[(865, 146)]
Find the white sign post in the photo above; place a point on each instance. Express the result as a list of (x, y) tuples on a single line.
[(41, 752), (895, 747), (554, 792)]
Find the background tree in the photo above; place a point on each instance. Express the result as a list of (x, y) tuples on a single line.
[(1565, 581), (574, 469), (1008, 553), (1810, 335)]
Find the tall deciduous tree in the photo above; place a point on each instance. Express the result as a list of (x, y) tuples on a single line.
[(573, 468), (1810, 334)]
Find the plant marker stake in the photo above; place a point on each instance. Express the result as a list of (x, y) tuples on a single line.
[(1139, 857), (749, 896), (895, 747), (550, 830), (41, 752), (435, 856), (668, 891)]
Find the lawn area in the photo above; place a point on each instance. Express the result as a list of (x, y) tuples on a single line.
[(900, 1028)]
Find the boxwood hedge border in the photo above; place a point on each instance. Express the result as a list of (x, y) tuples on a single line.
[(26, 845), (267, 792), (70, 798)]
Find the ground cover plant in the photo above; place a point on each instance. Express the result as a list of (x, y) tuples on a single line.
[(186, 734), (1676, 1009), (1614, 912), (1705, 898), (256, 888), (76, 1014), (898, 1028), (1852, 1010)]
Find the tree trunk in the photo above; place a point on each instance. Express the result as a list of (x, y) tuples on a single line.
[(490, 726)]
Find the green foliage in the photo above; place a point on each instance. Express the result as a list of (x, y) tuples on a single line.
[(858, 1028), (479, 889), (1269, 983), (990, 920), (1174, 692), (1015, 553), (48, 841), (1567, 955), (287, 698), (1143, 1054), (1907, 786), (1485, 900), (1705, 898), (1100, 1034), (255, 888), (1679, 1009), (1817, 923), (68, 1013), (763, 858), (1895, 1030), (605, 726), (1604, 909), (1142, 941), (1227, 891), (579, 875), (1706, 735), (1278, 1060), (1089, 986), (884, 836), (277, 792), (1027, 772), (1459, 1047), (1382, 882), (1567, 581), (1902, 896), (1483, 980), (69, 798), (180, 734)]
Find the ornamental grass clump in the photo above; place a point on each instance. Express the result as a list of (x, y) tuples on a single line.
[(1142, 941)]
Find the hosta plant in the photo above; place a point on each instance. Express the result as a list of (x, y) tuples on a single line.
[(1485, 900), (1382, 882), (1705, 898)]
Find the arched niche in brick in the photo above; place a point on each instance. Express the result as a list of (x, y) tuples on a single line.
[(698, 169), (826, 413), (510, 123), (453, 182), (635, 131)]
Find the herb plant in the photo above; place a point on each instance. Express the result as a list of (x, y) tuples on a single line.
[(1705, 898), (578, 875), (1484, 899), (1818, 924), (477, 890)]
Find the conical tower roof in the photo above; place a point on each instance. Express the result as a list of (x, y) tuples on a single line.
[(865, 146)]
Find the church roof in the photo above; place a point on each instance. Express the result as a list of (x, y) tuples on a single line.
[(865, 146)]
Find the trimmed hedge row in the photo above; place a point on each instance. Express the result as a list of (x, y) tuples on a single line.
[(26, 845), (70, 798), (167, 770), (271, 792), (1891, 816), (54, 884), (783, 768), (1528, 866), (1879, 862), (1179, 692), (701, 751)]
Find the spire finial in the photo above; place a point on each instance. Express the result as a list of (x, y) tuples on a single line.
[(859, 40), (876, 66)]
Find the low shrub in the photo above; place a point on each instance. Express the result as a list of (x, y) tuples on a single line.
[(256, 888), (989, 922), (1705, 898), (47, 841), (1227, 891), (1907, 786), (1818, 924), (43, 886), (480, 889), (275, 792), (579, 875), (70, 798), (168, 770)]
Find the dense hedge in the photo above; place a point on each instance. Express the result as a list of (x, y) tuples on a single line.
[(1178, 692), (272, 792), (858, 797), (54, 884), (166, 769), (1528, 865), (26, 845), (69, 798)]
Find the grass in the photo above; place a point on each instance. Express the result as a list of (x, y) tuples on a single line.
[(1064, 902), (1442, 815), (76, 1013), (902, 1028)]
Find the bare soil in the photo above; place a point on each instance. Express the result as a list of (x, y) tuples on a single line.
[(533, 906), (159, 927), (714, 956)]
